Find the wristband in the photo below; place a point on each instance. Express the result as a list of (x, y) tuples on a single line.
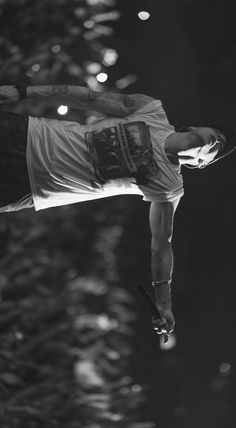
[(162, 281), (21, 87)]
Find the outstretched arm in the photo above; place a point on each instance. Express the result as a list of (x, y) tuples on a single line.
[(161, 223), (79, 97)]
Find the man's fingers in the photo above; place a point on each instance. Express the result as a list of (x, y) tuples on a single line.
[(160, 326), (163, 327), (170, 328)]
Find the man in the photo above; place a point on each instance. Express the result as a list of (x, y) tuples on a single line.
[(132, 149)]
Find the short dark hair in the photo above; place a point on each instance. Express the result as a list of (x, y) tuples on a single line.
[(230, 134)]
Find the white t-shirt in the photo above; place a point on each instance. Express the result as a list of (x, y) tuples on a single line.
[(61, 170)]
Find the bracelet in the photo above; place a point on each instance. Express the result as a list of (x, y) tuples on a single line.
[(162, 281), (21, 87)]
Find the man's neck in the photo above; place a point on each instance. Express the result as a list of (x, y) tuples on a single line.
[(175, 143)]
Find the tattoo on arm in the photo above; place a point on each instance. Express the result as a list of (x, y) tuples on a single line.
[(94, 95), (129, 102), (112, 102), (163, 295), (59, 90), (124, 100)]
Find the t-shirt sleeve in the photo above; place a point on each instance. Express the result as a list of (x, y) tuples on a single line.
[(152, 195), (153, 106)]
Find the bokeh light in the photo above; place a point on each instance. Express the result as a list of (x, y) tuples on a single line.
[(125, 81), (116, 417), (93, 83), (19, 335), (102, 77), (144, 15), (89, 24), (62, 110), (109, 56), (56, 48), (36, 67), (104, 322), (225, 369), (136, 388), (93, 67)]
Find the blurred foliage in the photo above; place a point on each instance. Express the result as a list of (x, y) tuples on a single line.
[(66, 323), (60, 41), (48, 41), (66, 326)]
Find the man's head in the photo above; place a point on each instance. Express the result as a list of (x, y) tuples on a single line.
[(207, 144)]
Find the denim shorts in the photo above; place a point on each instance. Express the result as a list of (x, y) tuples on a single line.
[(15, 190)]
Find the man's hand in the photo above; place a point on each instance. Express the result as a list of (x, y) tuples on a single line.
[(9, 94), (162, 293), (167, 322)]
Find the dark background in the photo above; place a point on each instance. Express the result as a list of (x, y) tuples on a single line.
[(185, 55)]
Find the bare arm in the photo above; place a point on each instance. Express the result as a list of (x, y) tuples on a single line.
[(84, 98), (79, 97), (161, 219)]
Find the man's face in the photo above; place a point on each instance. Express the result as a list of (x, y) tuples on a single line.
[(204, 144)]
